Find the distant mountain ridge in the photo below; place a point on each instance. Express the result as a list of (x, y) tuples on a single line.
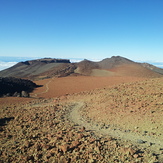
[(153, 68), (51, 67), (109, 63), (47, 60), (30, 69)]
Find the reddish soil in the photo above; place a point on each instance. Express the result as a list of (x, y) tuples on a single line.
[(86, 119), (135, 107), (40, 131), (68, 85), (14, 100), (135, 70)]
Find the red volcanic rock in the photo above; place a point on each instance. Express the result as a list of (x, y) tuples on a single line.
[(83, 129), (97, 149), (64, 148), (70, 134), (135, 155), (92, 140), (45, 132), (62, 160), (80, 136), (75, 144)]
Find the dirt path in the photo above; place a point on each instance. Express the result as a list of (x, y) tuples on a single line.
[(76, 116), (46, 89), (47, 131), (73, 114), (146, 141)]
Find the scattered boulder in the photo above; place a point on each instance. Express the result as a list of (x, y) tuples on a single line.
[(24, 94), (16, 94), (139, 141)]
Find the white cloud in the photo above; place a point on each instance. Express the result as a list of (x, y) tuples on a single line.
[(75, 60), (81, 59), (158, 65), (96, 60), (4, 65)]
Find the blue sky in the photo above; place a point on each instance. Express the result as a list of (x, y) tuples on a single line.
[(91, 29)]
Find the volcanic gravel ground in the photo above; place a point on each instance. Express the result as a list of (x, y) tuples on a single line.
[(79, 127), (131, 112), (41, 132)]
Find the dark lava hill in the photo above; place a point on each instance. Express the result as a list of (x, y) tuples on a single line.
[(48, 68), (10, 86)]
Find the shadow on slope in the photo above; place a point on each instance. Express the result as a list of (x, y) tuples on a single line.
[(4, 121)]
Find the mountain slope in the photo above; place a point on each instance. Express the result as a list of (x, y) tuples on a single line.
[(114, 61), (85, 67), (153, 68), (48, 68), (115, 66), (135, 70), (32, 68)]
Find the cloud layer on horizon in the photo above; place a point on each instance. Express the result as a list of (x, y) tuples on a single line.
[(6, 62), (4, 65)]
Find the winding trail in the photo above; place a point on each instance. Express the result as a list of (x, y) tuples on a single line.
[(138, 139), (46, 88)]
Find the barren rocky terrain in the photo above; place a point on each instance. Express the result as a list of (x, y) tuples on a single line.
[(115, 121), (55, 87), (108, 111), (50, 67)]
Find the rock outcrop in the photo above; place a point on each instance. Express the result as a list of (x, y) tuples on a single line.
[(16, 87)]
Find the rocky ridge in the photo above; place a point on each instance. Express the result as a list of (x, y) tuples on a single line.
[(48, 68)]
